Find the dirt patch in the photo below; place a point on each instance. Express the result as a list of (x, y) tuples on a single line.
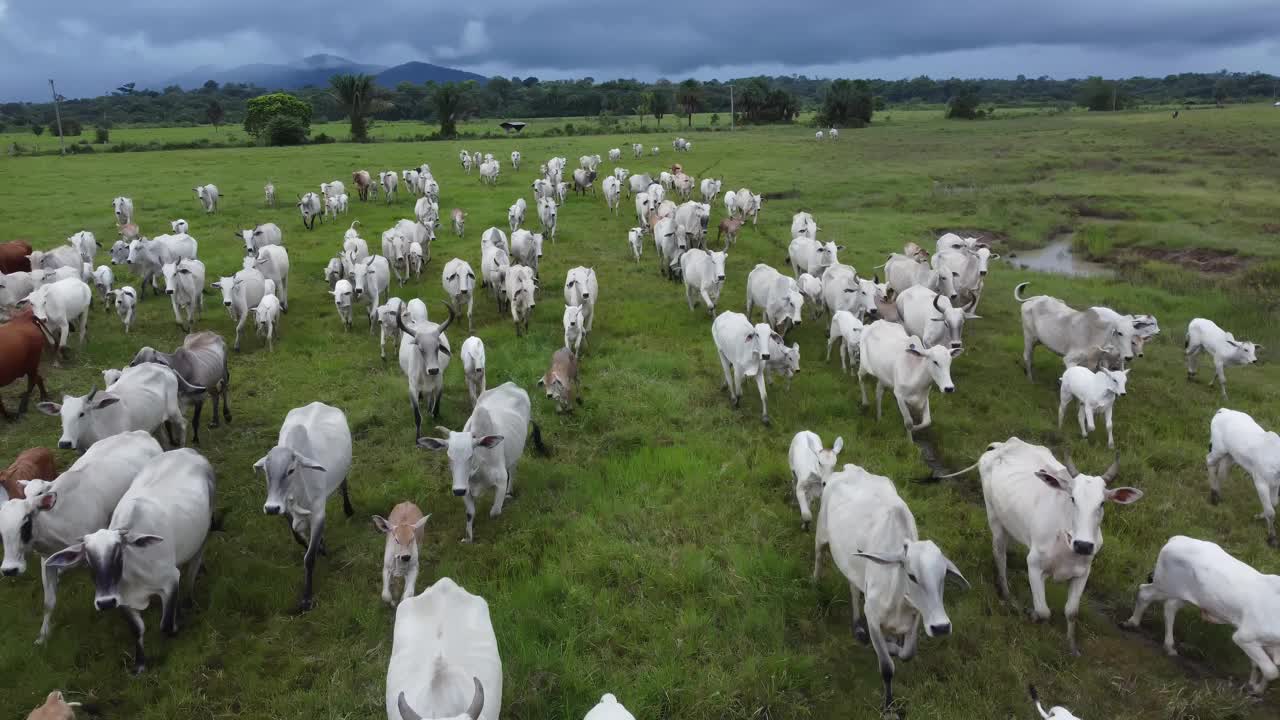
[(1271, 228), (1086, 208), (1205, 260)]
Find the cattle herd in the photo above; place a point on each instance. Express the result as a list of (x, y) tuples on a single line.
[(138, 516)]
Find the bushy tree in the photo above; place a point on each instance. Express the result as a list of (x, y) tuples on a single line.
[(70, 127), (37, 129), (215, 113), (449, 100), (1100, 95), (964, 105), (262, 112), (847, 104), (689, 95), (659, 104), (359, 97)]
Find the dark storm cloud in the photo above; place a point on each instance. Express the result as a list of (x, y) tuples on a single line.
[(93, 46)]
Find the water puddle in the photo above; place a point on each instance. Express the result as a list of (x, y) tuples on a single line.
[(1058, 257)]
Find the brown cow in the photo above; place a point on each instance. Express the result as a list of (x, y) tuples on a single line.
[(31, 464), (13, 256), (21, 344), (403, 528), (362, 182), (729, 228), (55, 708), (561, 380)]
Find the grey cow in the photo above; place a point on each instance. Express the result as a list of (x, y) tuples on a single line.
[(201, 360)]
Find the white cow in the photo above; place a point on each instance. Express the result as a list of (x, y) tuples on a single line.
[(615, 154), (343, 297), (811, 289), (644, 206), (581, 288), (1073, 333), (807, 255), (612, 193), (637, 184), (473, 367), (1057, 712), (309, 463), (390, 184), (749, 204), (894, 577), (1226, 351), (208, 196), (1234, 437), (269, 195), (521, 290), (311, 208), (710, 189), (930, 317), (240, 293), (372, 280), (123, 208), (267, 315), (59, 304), (1092, 391), (846, 329), (609, 708), (494, 264), (515, 160), (811, 466), (459, 282), (897, 361), (424, 356), (444, 658), (778, 295), (395, 248), (1226, 591), (526, 249), (515, 215), (743, 350), (87, 244), (803, 225), (902, 272), (485, 453), (261, 236), (703, 274), (273, 262), (489, 172), (160, 524), (637, 149), (388, 328), (635, 238), (184, 284), (547, 215), (58, 512), (573, 332), (143, 398), (126, 302)]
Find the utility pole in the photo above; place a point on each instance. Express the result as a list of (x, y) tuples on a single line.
[(57, 113), (731, 115)]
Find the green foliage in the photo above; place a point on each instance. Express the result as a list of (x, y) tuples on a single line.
[(1100, 95), (37, 129), (450, 102), (215, 113), (264, 111), (359, 97), (761, 102), (660, 103), (847, 104), (70, 127), (964, 105), (101, 135), (689, 95)]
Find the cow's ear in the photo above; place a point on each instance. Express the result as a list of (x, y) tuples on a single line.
[(1124, 495), (262, 463), (954, 572), (143, 540), (107, 401), (381, 524), (430, 443), (913, 350), (838, 446), (955, 352), (418, 526), (47, 501), (488, 441), (1052, 480), (897, 558), (50, 408), (750, 337), (69, 557)]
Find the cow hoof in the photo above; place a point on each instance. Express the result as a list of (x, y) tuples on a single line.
[(861, 635), (139, 668), (306, 605), (465, 541), (1171, 652)]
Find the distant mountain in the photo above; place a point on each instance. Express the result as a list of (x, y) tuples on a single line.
[(316, 70), (420, 72)]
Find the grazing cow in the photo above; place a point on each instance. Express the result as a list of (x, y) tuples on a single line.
[(363, 181), (526, 249), (126, 302), (31, 464), (57, 512), (311, 208), (424, 357), (581, 288), (21, 345), (309, 463), (846, 329), (743, 349), (930, 317), (777, 295), (143, 398), (811, 466), (1092, 392), (55, 708), (343, 298), (485, 453), (1234, 437), (201, 365), (806, 255), (208, 196), (635, 238), (184, 284), (269, 195), (241, 293), (703, 274), (521, 289), (372, 280), (896, 580), (804, 226), (15, 256), (473, 367), (444, 658), (561, 379), (902, 272), (459, 282), (1226, 591), (897, 361), (160, 524), (1051, 509), (1072, 333), (1057, 712), (57, 305), (1221, 345), (403, 528), (459, 221), (123, 208), (612, 193)]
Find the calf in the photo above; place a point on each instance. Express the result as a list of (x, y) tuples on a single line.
[(21, 345), (184, 284), (779, 297), (728, 229), (1234, 437), (896, 578), (783, 360), (309, 463), (126, 302), (473, 367), (580, 288), (201, 365), (160, 524), (635, 238), (208, 196), (424, 356), (403, 528), (55, 708), (573, 332), (240, 293), (561, 379), (459, 221), (1226, 351), (1092, 392), (1226, 591), (459, 282), (897, 361), (811, 288), (703, 274), (343, 297), (846, 329), (743, 350), (31, 464), (267, 317), (811, 466), (485, 453), (388, 327)]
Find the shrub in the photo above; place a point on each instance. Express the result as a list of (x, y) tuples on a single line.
[(278, 115), (286, 130), (964, 106), (101, 135), (847, 104), (322, 139)]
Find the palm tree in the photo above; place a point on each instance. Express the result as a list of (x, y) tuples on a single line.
[(448, 100), (358, 97), (689, 95)]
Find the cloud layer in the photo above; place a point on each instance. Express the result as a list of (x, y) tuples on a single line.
[(90, 47)]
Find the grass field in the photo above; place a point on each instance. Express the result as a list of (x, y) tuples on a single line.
[(658, 553)]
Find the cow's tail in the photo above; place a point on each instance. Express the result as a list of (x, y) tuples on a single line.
[(1017, 292), (1035, 698), (354, 223), (186, 388), (537, 441), (958, 472)]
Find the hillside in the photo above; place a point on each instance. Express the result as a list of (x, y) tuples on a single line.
[(315, 70)]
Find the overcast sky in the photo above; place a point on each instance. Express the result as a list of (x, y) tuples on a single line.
[(91, 46)]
